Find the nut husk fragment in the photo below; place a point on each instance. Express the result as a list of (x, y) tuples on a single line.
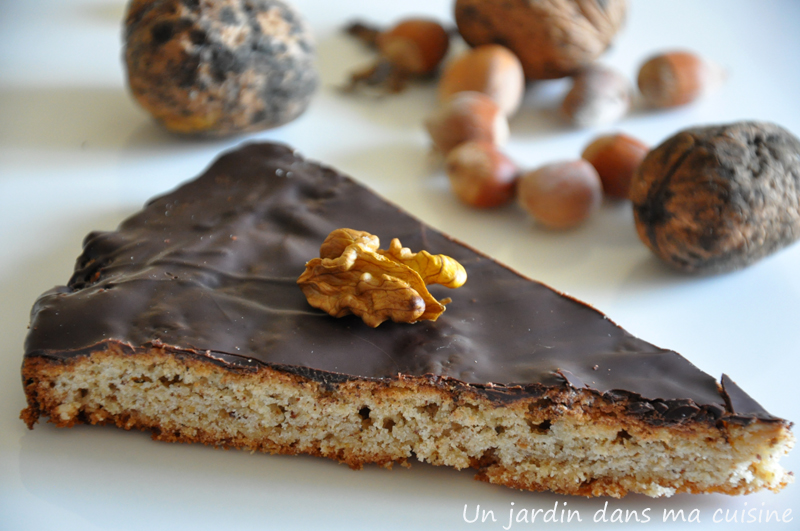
[(552, 38), (412, 48), (719, 198)]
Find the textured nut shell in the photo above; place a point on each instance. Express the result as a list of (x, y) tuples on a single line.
[(552, 38), (491, 69), (719, 198), (219, 68)]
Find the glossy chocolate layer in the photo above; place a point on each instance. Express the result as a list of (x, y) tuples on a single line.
[(211, 268)]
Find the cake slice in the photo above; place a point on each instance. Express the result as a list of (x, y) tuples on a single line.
[(187, 321)]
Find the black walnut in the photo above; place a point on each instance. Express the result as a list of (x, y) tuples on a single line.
[(219, 67), (719, 198)]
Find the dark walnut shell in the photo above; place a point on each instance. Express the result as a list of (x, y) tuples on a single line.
[(552, 38), (219, 67), (715, 199)]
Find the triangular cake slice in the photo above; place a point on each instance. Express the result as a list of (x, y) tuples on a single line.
[(187, 321)]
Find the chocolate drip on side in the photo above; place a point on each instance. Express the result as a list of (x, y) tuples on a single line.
[(742, 406)]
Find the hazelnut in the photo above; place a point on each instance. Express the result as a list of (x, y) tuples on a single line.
[(219, 68), (615, 157), (599, 95), (467, 116), (415, 45), (481, 175), (561, 195), (491, 69), (677, 78), (411, 48), (712, 199), (552, 39)]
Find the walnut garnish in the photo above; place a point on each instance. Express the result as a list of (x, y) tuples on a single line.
[(434, 269), (354, 276)]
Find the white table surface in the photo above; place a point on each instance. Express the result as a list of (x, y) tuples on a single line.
[(77, 154)]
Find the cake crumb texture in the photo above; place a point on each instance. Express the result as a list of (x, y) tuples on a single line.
[(564, 440)]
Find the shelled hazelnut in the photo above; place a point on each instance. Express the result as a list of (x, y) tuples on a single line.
[(677, 78), (615, 157), (413, 47), (481, 175), (599, 95), (561, 195), (467, 116), (491, 69)]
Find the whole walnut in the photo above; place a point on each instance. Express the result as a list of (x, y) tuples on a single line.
[(219, 67), (719, 198), (552, 38)]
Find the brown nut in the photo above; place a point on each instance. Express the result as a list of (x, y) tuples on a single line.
[(615, 157), (599, 95), (552, 39), (677, 78), (719, 198), (412, 48), (480, 175), (415, 45), (219, 68), (464, 117), (561, 195), (491, 69), (377, 284)]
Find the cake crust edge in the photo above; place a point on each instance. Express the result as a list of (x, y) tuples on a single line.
[(185, 397)]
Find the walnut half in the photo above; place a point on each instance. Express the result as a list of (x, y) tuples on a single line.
[(354, 276)]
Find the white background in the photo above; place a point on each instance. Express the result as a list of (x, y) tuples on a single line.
[(76, 154)]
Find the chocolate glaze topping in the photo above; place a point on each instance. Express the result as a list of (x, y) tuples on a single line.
[(210, 270)]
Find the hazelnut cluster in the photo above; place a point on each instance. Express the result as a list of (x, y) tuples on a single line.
[(562, 195), (484, 86), (478, 91), (559, 195), (600, 95)]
